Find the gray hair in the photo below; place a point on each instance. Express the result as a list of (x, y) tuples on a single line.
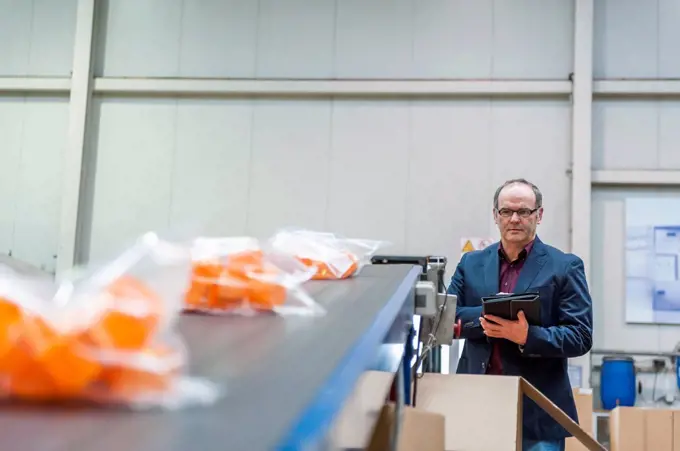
[(534, 188)]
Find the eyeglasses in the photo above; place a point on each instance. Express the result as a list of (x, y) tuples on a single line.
[(522, 212)]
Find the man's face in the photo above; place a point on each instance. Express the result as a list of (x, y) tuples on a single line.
[(517, 216)]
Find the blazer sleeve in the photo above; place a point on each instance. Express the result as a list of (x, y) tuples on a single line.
[(469, 316), (573, 336)]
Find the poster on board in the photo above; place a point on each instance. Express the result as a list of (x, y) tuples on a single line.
[(652, 244), (474, 244)]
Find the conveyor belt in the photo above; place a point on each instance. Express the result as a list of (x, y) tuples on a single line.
[(285, 378)]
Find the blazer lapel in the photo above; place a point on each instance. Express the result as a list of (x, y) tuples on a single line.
[(535, 261), (492, 270)]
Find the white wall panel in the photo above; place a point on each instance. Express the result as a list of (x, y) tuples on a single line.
[(463, 150), (668, 152), (449, 186), (32, 139), (622, 50), (218, 38), (140, 37), (625, 134), (442, 47), (36, 225), (398, 39), (53, 33), (531, 140), (602, 273), (374, 39), (12, 112), (37, 37), (15, 34), (533, 39), (369, 170), (290, 168), (211, 165), (636, 39), (636, 134), (668, 38), (608, 276), (296, 38), (419, 174), (135, 151)]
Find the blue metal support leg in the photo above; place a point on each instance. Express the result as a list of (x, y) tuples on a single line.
[(406, 365)]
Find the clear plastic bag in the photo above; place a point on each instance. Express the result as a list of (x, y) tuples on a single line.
[(105, 335), (331, 256), (236, 276)]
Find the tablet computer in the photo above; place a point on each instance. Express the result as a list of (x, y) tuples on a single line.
[(507, 306)]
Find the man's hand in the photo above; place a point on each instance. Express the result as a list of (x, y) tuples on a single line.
[(515, 331)]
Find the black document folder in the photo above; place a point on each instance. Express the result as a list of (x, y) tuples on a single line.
[(507, 306)]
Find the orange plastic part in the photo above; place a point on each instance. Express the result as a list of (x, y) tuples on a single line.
[(18, 366), (59, 356), (24, 376), (125, 383), (33, 384), (241, 278), (39, 363), (42, 364), (132, 318), (324, 271), (10, 322)]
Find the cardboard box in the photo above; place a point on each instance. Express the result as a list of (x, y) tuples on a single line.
[(464, 406), (584, 406), (366, 420), (471, 403), (644, 429), (418, 431), (355, 424)]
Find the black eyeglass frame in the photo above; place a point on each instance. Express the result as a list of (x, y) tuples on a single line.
[(521, 212)]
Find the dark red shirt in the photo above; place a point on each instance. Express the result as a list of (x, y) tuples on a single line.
[(509, 273)]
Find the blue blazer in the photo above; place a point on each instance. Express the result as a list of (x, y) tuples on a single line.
[(566, 330)]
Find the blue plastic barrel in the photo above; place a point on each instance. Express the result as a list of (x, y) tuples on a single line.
[(617, 382)]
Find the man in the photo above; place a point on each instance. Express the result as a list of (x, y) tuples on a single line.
[(522, 263)]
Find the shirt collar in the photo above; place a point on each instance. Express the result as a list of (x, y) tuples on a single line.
[(522, 255)]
